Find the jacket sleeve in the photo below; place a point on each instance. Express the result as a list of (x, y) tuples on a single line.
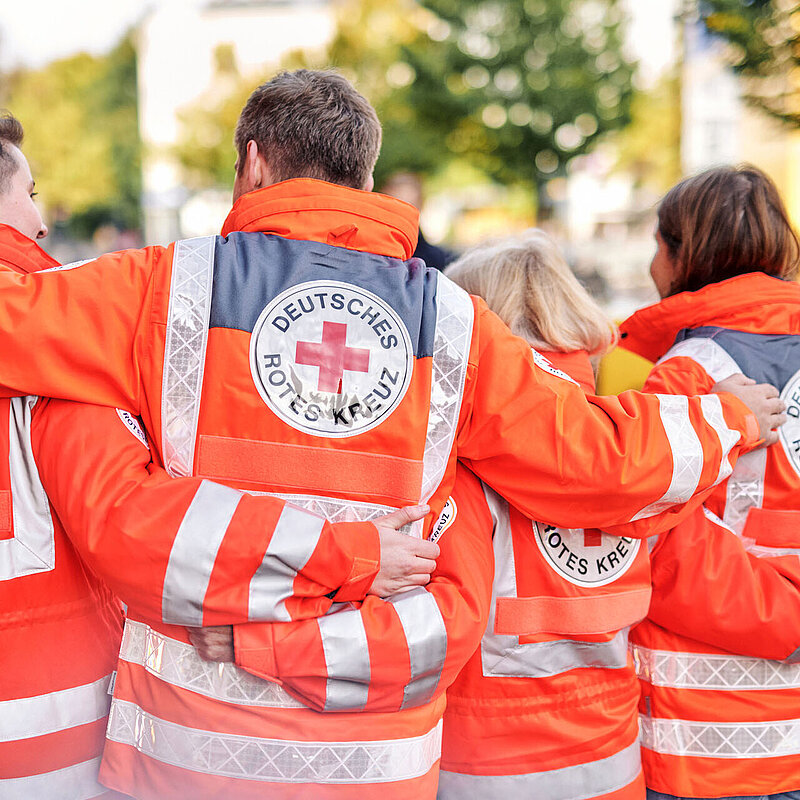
[(702, 571), (75, 331), (584, 461), (189, 551), (385, 655)]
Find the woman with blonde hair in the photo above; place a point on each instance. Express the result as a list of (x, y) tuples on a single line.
[(547, 705)]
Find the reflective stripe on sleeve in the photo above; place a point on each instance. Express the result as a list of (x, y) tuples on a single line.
[(578, 782), (714, 671), (713, 358), (711, 406), (25, 717), (194, 552), (76, 782), (745, 488), (185, 350), (178, 664), (426, 636), (292, 544), (682, 737), (344, 643), (274, 760), (687, 454)]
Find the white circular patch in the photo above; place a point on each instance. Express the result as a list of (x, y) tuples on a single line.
[(789, 434), (585, 558), (133, 425), (331, 359), (446, 519)]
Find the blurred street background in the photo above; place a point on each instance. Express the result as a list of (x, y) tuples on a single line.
[(574, 115)]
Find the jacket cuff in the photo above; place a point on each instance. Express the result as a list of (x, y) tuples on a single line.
[(254, 649), (744, 420), (361, 538)]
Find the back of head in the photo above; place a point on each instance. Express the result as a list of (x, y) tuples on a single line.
[(528, 284), (725, 222), (311, 124), (11, 135)]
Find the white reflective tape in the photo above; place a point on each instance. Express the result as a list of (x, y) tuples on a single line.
[(712, 671), (334, 509), (178, 664), (426, 637), (185, 351), (745, 488), (714, 359), (71, 265), (273, 760), (344, 643), (25, 717), (194, 552), (578, 782), (76, 782), (32, 549), (711, 407), (687, 454), (293, 542), (682, 737)]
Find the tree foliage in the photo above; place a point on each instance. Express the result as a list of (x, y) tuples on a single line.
[(763, 39)]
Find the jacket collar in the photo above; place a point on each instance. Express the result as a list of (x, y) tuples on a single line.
[(304, 208), (22, 254), (755, 302)]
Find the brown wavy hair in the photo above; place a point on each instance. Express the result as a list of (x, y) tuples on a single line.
[(724, 222)]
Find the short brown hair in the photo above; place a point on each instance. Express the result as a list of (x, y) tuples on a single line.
[(725, 222), (311, 124), (11, 133)]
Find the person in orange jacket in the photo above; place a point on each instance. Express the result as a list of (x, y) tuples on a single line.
[(357, 380), (717, 656), (54, 709)]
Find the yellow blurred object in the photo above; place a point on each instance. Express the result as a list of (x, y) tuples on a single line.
[(621, 370)]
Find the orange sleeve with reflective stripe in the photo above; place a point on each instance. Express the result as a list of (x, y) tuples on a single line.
[(147, 535), (404, 650), (584, 461)]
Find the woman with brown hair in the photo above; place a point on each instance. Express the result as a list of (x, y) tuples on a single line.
[(720, 709)]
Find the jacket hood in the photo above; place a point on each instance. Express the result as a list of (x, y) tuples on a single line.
[(384, 224), (754, 303), (22, 254)]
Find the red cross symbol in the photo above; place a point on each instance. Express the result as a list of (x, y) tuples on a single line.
[(332, 356), (592, 538)]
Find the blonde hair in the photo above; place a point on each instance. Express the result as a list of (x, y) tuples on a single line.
[(526, 281)]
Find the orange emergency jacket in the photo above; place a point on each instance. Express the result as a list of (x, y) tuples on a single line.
[(547, 705), (314, 363), (718, 656)]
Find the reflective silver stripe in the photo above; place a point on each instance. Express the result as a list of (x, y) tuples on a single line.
[(682, 737), (32, 548), (71, 265), (504, 656), (426, 637), (178, 664), (25, 717), (194, 552), (687, 454), (714, 671), (713, 358), (76, 782), (344, 643), (185, 350), (451, 343), (274, 760), (334, 509), (745, 489), (711, 406), (579, 782), (292, 544)]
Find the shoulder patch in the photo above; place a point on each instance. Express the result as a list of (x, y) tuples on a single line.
[(134, 426), (544, 364), (446, 519)]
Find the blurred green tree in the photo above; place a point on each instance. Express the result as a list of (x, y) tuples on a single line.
[(763, 39)]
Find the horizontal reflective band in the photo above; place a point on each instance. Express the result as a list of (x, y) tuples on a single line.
[(711, 407), (194, 552), (579, 782), (293, 542), (426, 637), (681, 737), (26, 717), (275, 760), (687, 454), (177, 663), (714, 359), (344, 644), (76, 782), (713, 671), (334, 509)]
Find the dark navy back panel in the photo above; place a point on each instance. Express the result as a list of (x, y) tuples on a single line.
[(765, 357), (251, 269)]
